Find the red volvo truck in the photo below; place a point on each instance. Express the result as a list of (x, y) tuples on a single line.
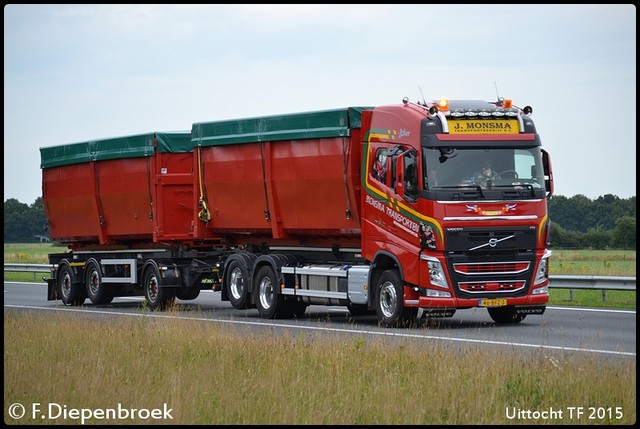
[(395, 210)]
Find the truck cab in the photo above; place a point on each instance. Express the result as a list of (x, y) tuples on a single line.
[(455, 199)]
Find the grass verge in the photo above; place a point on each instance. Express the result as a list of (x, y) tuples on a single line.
[(207, 373)]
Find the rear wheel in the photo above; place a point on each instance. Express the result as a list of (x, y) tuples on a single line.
[(158, 297), (97, 291), (505, 315), (390, 301), (71, 292), (269, 302), (238, 285)]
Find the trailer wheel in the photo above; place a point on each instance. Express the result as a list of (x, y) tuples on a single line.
[(97, 291), (390, 301), (238, 285), (505, 315), (71, 293), (158, 298), (269, 302)]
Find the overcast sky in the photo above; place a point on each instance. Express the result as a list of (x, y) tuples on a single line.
[(77, 73)]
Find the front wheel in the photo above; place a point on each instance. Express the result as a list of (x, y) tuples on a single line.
[(158, 297), (390, 301), (505, 315)]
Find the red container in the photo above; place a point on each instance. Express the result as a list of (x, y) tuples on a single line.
[(117, 191), (288, 179)]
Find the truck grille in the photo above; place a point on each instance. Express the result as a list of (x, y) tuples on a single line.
[(490, 262), (491, 268)]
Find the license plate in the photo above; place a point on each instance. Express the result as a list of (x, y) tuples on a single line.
[(499, 302)]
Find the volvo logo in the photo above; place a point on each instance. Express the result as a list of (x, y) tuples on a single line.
[(492, 242)]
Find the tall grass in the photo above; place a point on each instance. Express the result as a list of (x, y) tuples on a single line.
[(207, 373), (31, 253), (593, 262)]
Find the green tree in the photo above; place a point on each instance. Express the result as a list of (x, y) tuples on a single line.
[(16, 229), (37, 218), (598, 238), (624, 233), (565, 239)]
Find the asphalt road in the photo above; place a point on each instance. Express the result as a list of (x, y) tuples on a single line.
[(565, 330)]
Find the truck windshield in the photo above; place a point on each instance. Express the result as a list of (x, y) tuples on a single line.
[(483, 169)]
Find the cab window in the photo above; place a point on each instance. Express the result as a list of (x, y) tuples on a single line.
[(379, 170), (411, 176)]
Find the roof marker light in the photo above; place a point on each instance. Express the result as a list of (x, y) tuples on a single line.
[(507, 103), (443, 104)]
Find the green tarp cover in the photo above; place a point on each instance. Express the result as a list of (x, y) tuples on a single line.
[(174, 142), (114, 148), (307, 125)]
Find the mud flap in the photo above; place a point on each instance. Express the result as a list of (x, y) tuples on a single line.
[(52, 290)]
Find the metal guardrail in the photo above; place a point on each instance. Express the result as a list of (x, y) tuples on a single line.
[(603, 283), (28, 268), (593, 282)]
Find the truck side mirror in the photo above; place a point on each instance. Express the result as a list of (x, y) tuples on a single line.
[(548, 172)]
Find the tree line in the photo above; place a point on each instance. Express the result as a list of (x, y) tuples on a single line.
[(608, 222)]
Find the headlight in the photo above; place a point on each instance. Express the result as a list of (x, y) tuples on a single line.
[(543, 269), (436, 273)]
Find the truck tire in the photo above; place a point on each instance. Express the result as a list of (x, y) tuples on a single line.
[(97, 291), (71, 293), (269, 302), (390, 301), (237, 283), (158, 298), (505, 315)]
